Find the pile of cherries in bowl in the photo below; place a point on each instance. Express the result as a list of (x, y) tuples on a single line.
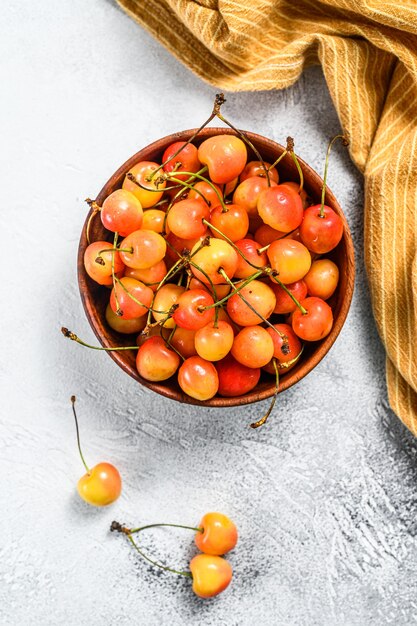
[(217, 270)]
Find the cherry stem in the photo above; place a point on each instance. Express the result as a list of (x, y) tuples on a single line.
[(230, 242), (140, 528), (263, 419), (284, 366), (132, 297), (113, 275), (200, 269), (290, 149), (119, 528), (95, 209), (200, 177), (236, 290), (169, 344), (288, 292), (73, 399), (70, 335), (244, 138), (113, 250), (260, 250), (345, 142), (275, 163), (218, 101)]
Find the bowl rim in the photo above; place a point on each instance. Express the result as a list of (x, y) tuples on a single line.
[(292, 377)]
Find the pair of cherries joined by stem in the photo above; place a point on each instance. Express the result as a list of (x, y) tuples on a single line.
[(215, 536), (219, 269)]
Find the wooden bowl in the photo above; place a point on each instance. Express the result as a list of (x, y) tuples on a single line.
[(95, 297)]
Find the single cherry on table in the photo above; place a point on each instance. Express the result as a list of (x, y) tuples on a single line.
[(102, 484)]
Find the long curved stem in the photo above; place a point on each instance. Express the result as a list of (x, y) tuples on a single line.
[(263, 419), (230, 242), (140, 528), (73, 399), (236, 290), (70, 335), (326, 167), (218, 101), (288, 292), (155, 563)]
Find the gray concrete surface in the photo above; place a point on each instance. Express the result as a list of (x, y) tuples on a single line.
[(324, 496)]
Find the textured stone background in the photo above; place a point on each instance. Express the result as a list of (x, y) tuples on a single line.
[(324, 496)]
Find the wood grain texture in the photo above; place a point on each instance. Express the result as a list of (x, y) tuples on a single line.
[(94, 297)]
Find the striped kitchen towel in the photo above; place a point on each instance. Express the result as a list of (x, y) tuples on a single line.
[(368, 51)]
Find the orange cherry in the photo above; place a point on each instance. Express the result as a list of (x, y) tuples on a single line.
[(218, 535), (225, 157), (151, 190), (102, 484), (211, 575)]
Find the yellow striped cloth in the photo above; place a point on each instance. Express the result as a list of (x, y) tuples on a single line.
[(368, 51)]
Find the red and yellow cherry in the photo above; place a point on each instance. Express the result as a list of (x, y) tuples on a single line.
[(287, 345), (247, 193), (165, 298), (217, 254), (186, 159), (102, 484), (218, 534), (253, 347), (120, 325), (147, 249), (121, 212), (198, 378), (131, 298), (321, 231), (225, 157), (233, 222), (290, 259), (185, 219), (236, 379), (155, 361), (302, 193), (153, 219), (265, 235), (256, 168), (142, 172), (322, 278), (316, 323), (214, 341), (192, 311), (183, 341), (284, 303), (281, 208), (98, 262), (211, 575), (150, 276), (249, 249), (204, 192), (260, 296)]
